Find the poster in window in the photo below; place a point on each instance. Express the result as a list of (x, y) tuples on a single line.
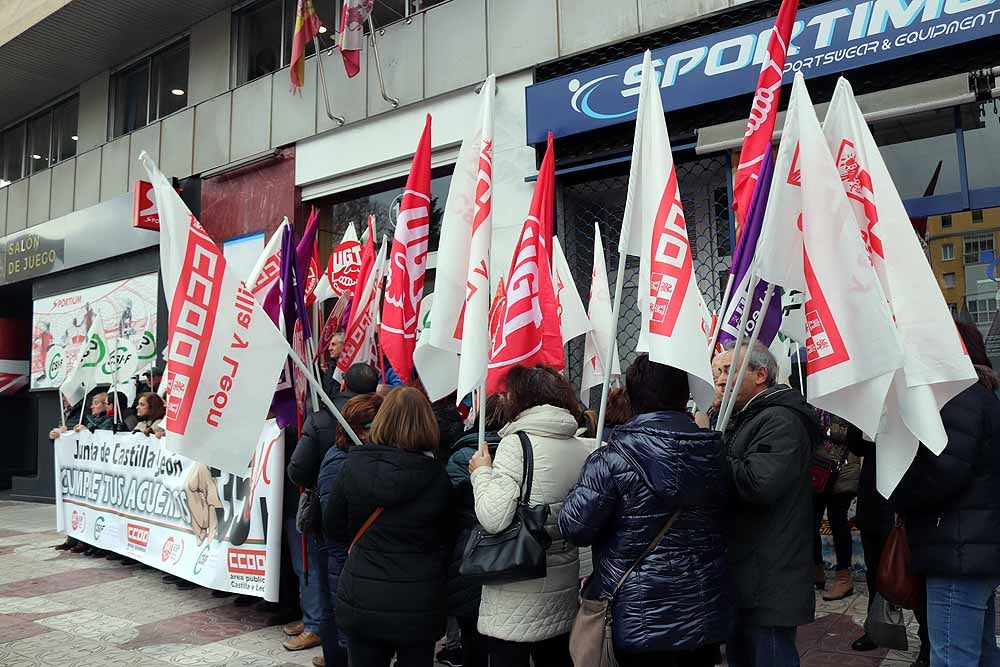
[(60, 324)]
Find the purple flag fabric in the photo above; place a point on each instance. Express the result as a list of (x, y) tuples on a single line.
[(770, 321), (303, 256), (280, 304)]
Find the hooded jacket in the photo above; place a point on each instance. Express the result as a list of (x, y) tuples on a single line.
[(537, 609), (393, 586), (951, 502), (769, 449), (680, 597)]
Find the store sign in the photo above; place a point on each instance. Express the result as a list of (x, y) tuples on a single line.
[(145, 213), (29, 255), (828, 38)]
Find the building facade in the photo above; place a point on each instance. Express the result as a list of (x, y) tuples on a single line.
[(203, 87)]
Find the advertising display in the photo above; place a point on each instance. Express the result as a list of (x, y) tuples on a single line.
[(126, 493), (60, 324)]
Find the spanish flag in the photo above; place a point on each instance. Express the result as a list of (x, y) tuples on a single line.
[(307, 25)]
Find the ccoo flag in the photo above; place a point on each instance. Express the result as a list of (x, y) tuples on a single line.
[(675, 320), (810, 243), (458, 321), (935, 365), (599, 338), (266, 271), (223, 348), (528, 321), (404, 287), (573, 320)]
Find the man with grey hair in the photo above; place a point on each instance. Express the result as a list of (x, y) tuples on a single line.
[(769, 445)]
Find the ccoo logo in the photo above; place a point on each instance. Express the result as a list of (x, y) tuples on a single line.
[(138, 536), (246, 561)]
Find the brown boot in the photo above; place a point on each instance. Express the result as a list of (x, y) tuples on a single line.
[(303, 641), (820, 577), (843, 586), (293, 629)]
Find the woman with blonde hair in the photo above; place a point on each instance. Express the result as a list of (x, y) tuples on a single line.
[(391, 504)]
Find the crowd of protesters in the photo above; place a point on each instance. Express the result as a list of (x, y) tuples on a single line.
[(704, 544)]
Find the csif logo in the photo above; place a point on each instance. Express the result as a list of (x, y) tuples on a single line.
[(98, 528), (202, 560), (57, 365), (246, 561)]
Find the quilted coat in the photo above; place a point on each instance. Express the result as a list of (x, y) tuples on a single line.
[(951, 501), (681, 596), (537, 609)]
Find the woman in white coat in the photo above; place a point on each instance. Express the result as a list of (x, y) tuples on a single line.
[(532, 619)]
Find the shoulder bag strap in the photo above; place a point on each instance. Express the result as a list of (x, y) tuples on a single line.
[(528, 457), (652, 545), (365, 526)]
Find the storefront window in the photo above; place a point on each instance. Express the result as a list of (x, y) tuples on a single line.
[(981, 124), (914, 145)]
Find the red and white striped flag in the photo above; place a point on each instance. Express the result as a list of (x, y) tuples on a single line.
[(404, 287)]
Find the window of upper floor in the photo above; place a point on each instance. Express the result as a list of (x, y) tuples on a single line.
[(149, 89), (37, 143)]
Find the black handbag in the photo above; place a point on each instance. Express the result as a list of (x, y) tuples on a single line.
[(516, 553)]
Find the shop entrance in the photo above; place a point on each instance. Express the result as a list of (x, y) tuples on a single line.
[(17, 419)]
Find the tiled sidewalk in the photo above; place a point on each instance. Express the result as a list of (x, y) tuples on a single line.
[(63, 610)]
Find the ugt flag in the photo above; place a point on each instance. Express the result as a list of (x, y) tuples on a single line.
[(528, 322), (225, 352), (675, 320), (935, 365), (404, 286), (810, 242)]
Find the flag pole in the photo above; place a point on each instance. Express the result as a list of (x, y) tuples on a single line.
[(83, 405), (723, 307), (318, 387), (798, 365), (724, 419), (482, 413), (615, 311)]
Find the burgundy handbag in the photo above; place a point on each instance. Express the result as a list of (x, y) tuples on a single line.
[(894, 580)]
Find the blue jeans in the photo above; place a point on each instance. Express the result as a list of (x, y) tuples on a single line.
[(961, 614), (313, 594), (761, 646)]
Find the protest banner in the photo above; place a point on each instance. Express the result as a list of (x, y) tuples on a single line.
[(60, 324), (127, 493)]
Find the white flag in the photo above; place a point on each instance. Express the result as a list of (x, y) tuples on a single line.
[(811, 243), (599, 312), (84, 376), (935, 365), (573, 320), (267, 270), (675, 320), (225, 353), (359, 345), (460, 319)]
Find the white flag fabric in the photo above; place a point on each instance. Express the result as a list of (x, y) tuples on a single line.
[(675, 320), (92, 356), (460, 319), (365, 350), (267, 270), (573, 320), (935, 365), (121, 364), (810, 242), (599, 312), (224, 349)]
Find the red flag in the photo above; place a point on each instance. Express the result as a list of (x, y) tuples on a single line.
[(352, 32), (307, 25), (763, 112), (404, 287), (367, 265), (527, 328), (313, 274)]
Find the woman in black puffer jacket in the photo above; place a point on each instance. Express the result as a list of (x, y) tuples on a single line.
[(951, 503), (392, 503), (677, 605)]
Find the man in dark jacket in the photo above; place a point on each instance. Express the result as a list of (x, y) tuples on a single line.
[(769, 445)]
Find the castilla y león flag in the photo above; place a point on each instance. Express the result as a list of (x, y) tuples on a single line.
[(404, 287), (810, 243), (528, 323), (935, 366), (224, 351)]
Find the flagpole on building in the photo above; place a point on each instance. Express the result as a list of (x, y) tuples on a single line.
[(724, 418), (737, 344), (318, 387), (615, 311)]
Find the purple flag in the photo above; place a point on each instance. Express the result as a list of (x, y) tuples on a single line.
[(742, 259), (280, 304)]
